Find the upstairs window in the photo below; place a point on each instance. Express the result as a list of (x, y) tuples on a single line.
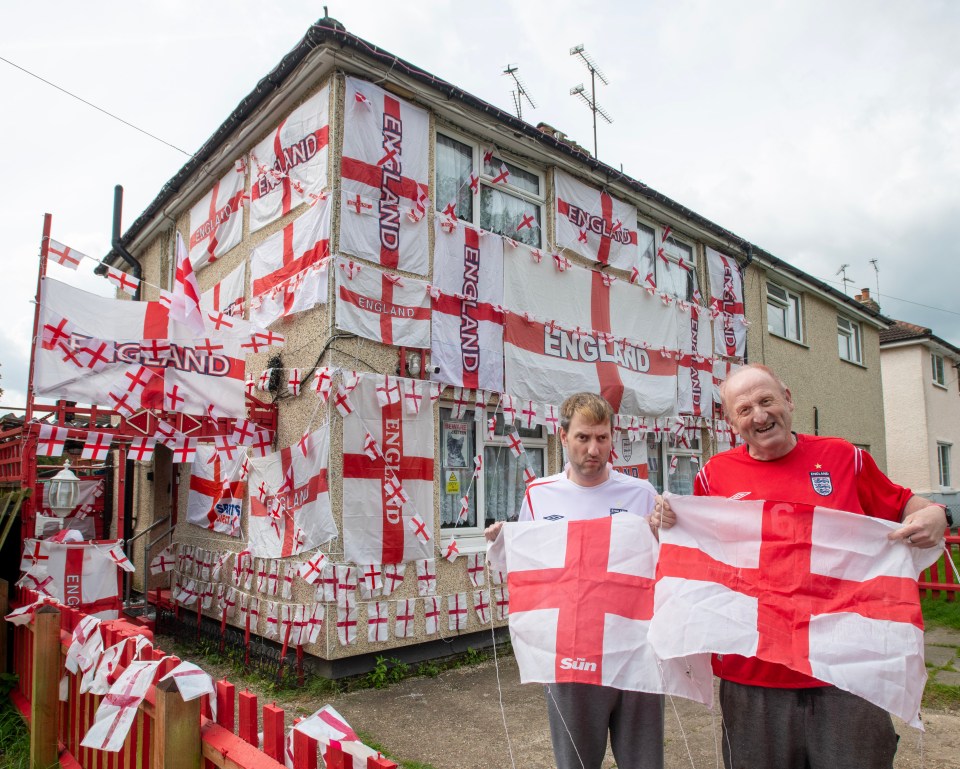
[(676, 271), (500, 197), (943, 464), (784, 313), (849, 340), (936, 364)]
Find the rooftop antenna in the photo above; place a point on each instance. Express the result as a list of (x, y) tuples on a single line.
[(579, 90), (521, 91), (876, 271), (844, 279)]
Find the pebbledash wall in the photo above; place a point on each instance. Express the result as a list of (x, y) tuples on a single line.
[(845, 394)]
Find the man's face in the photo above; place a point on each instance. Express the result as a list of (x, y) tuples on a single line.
[(588, 450), (761, 412)]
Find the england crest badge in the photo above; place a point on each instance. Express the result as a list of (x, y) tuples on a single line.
[(822, 483)]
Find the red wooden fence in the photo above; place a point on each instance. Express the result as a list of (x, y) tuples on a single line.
[(158, 734), (940, 578)]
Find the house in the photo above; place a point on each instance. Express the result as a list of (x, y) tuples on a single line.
[(415, 246), (920, 389)]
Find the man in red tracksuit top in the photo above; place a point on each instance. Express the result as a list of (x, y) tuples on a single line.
[(774, 717)]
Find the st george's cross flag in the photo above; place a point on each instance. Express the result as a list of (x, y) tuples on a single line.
[(227, 296), (289, 166), (289, 269), (216, 491), (290, 499), (384, 178), (726, 304), (383, 306), (695, 373), (118, 709), (822, 592), (216, 220), (467, 324), (577, 330), (83, 575), (594, 224), (376, 519), (581, 601), (149, 361)]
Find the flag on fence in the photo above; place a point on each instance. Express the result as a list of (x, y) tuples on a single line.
[(118, 709), (822, 592), (581, 600)]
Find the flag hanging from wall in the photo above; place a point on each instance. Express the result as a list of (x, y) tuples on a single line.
[(581, 601), (290, 499), (289, 269), (216, 491), (100, 350), (467, 328), (216, 220), (594, 224), (384, 178), (382, 494), (726, 303), (823, 592), (227, 296), (382, 306), (289, 166), (580, 330), (695, 374)]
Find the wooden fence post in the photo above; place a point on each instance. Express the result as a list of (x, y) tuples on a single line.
[(176, 729), (44, 699), (4, 610)]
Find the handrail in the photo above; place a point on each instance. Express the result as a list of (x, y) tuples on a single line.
[(128, 549)]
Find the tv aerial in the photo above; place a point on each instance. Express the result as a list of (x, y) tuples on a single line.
[(591, 100), (520, 91)]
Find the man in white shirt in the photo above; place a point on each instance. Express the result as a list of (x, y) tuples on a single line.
[(581, 715)]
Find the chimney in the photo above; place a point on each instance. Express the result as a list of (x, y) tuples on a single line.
[(864, 298)]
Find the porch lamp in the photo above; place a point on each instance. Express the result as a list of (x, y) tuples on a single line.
[(63, 491)]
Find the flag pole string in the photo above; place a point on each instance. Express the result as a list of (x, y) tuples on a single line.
[(496, 667)]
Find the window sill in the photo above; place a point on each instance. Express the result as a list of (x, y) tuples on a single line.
[(938, 385), (467, 544), (854, 363), (797, 342)]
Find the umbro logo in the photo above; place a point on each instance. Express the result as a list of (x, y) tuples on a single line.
[(739, 495), (553, 517)]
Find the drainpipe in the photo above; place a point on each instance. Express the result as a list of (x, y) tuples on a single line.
[(118, 248)]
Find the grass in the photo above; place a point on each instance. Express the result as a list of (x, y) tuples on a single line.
[(14, 734), (938, 612)]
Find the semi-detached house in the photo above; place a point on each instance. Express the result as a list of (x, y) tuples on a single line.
[(414, 246)]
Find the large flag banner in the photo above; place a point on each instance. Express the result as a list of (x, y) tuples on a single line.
[(99, 350), (821, 591), (216, 221), (384, 178), (595, 224), (82, 575), (695, 375), (382, 306), (580, 330), (467, 344), (581, 601), (290, 267), (726, 302), (289, 166), (290, 499), (216, 490), (227, 296), (376, 481)]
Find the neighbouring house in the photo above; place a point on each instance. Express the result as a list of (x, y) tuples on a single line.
[(922, 408), (443, 274)]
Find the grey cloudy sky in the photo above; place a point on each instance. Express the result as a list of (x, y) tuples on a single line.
[(827, 133)]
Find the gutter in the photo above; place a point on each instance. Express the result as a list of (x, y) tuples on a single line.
[(118, 248)]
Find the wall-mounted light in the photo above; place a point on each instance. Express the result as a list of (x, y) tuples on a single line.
[(64, 491)]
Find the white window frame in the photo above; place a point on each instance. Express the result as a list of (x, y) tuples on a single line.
[(943, 464), (663, 451), (938, 369), (671, 246), (473, 535), (486, 181), (790, 304), (850, 334)]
